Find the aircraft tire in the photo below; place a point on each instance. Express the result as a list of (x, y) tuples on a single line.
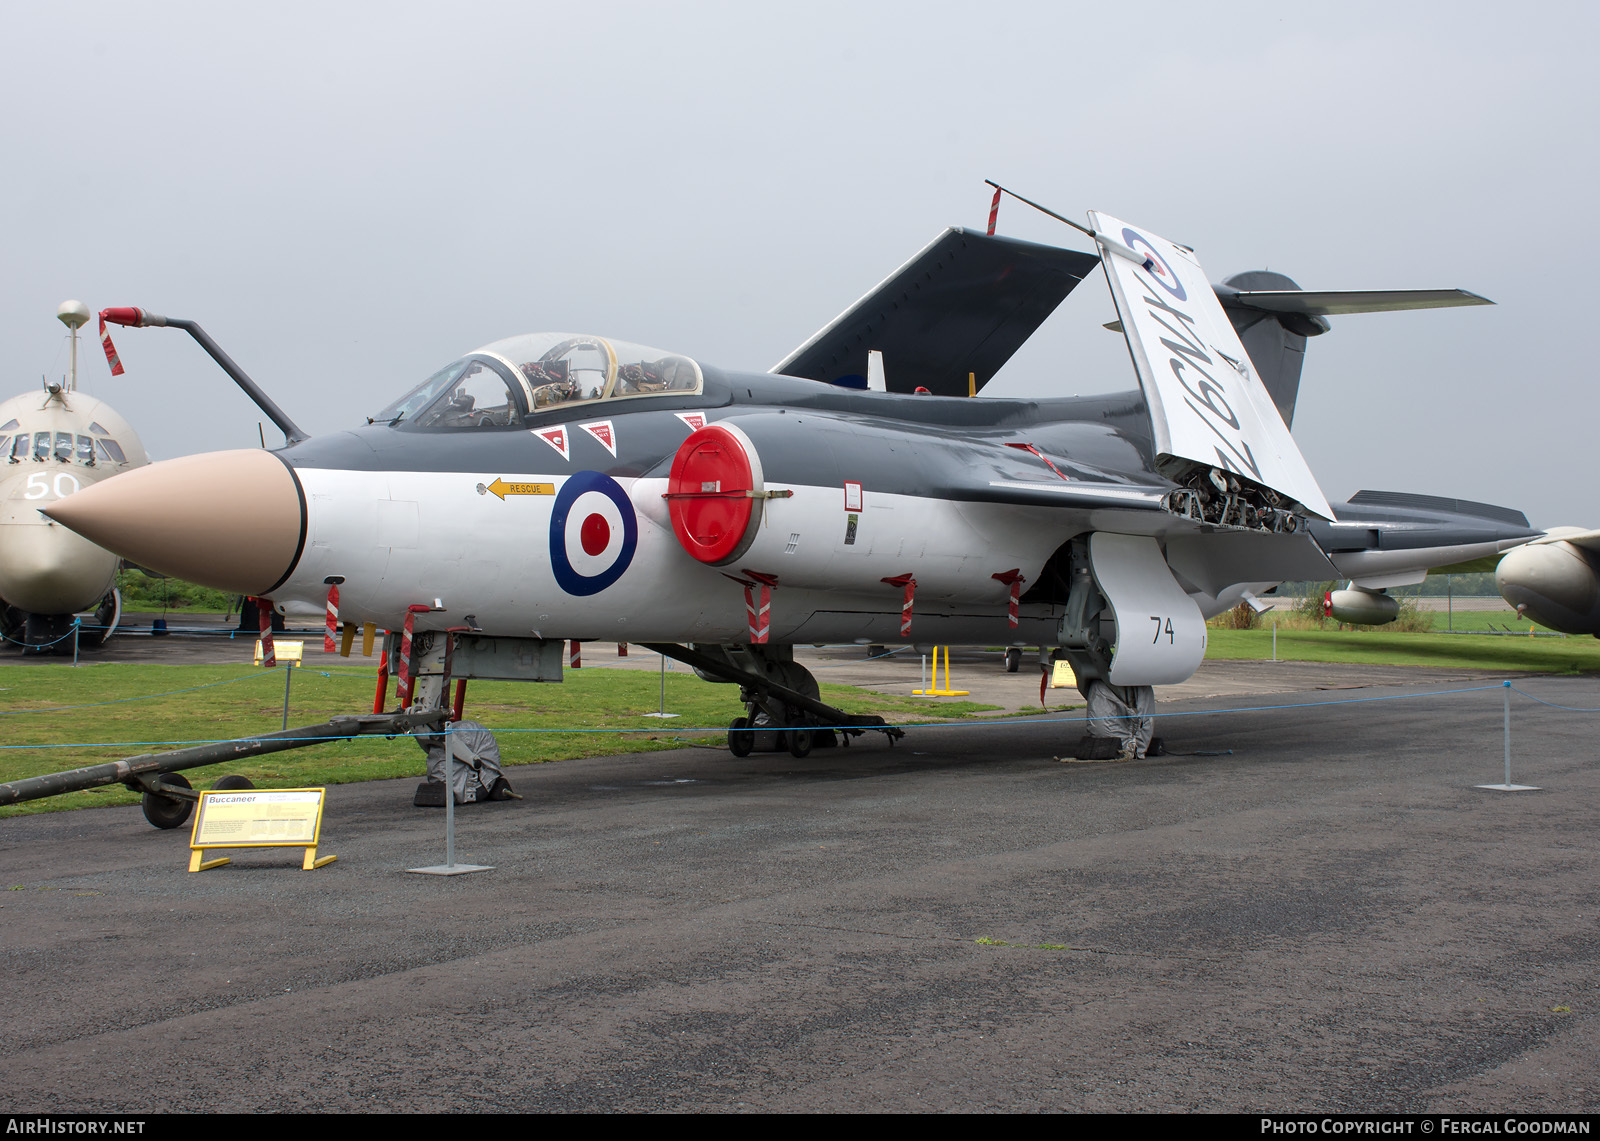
[(167, 811), (1013, 660), (799, 743), (231, 782), (739, 743)]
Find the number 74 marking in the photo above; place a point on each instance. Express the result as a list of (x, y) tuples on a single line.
[(1160, 630)]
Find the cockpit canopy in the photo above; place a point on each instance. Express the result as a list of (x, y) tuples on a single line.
[(505, 383)]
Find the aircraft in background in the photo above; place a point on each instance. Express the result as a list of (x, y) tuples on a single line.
[(555, 487), (54, 442), (1555, 580)]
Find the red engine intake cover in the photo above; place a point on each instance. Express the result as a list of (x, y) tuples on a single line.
[(708, 494)]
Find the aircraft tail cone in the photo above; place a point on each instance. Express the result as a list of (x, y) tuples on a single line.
[(234, 521)]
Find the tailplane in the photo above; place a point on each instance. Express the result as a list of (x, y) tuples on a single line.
[(1273, 317)]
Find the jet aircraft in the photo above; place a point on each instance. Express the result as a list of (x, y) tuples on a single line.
[(1555, 580), (52, 443), (554, 486)]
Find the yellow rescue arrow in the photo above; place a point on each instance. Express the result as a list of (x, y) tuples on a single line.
[(501, 488)]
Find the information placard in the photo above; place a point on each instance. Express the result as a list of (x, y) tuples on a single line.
[(285, 651), (257, 818)]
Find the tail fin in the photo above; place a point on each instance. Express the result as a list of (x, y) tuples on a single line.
[(1276, 342)]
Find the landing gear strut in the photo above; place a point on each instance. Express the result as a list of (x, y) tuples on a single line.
[(783, 710)]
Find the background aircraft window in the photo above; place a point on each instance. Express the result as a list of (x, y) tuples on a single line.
[(64, 447), (422, 395), (112, 451), (41, 445), (85, 450), (5, 447), (479, 398), (98, 430), (9, 425)]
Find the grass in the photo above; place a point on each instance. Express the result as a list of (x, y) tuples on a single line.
[(1375, 645), (145, 592), (593, 713)]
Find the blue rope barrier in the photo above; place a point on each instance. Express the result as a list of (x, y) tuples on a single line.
[(42, 645), (1551, 704), (903, 725)]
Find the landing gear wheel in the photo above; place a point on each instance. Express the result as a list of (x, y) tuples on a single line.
[(740, 739), (799, 743), (232, 782), (1013, 660), (167, 811)]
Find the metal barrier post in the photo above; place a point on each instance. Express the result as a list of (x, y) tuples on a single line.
[(450, 867), (1508, 786)]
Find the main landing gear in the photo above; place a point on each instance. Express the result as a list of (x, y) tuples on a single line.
[(783, 710)]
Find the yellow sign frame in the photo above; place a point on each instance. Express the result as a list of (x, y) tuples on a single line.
[(235, 805), (285, 651)]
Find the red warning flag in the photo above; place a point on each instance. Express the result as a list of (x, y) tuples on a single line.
[(758, 611), (1014, 579), (994, 210), (910, 584), (111, 350), (269, 656), (331, 627), (404, 673)]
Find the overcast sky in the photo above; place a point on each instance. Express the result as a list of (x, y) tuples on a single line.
[(347, 196)]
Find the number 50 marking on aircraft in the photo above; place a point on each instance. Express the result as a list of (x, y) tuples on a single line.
[(38, 487)]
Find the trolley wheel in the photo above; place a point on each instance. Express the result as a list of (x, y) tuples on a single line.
[(231, 782), (740, 739), (167, 811), (1013, 660), (799, 742)]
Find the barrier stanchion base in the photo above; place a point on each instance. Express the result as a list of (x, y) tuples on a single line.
[(660, 715), (451, 869), (1509, 787)]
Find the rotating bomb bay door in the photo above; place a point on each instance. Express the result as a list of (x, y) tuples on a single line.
[(1161, 636)]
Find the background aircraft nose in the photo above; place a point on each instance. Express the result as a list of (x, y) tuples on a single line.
[(1552, 583), (234, 521)]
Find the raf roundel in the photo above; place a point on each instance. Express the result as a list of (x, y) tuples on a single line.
[(593, 533), (1159, 269)]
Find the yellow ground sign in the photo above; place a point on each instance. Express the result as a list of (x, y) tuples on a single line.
[(284, 651), (257, 818)]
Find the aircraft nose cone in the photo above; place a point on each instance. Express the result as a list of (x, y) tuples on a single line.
[(234, 521)]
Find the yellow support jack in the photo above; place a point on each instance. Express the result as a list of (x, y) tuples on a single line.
[(935, 691)]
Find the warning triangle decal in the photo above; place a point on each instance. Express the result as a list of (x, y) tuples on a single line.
[(605, 433), (695, 420), (555, 437)]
